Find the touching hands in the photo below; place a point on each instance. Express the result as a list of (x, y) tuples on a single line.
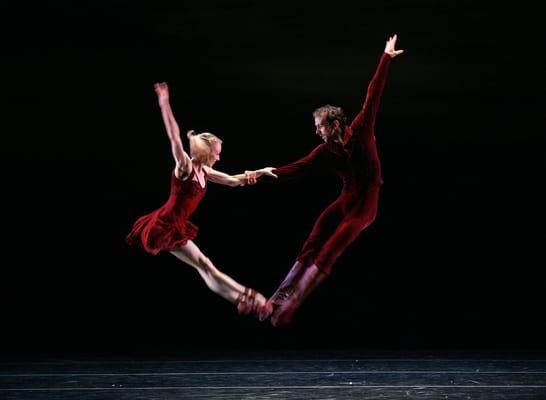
[(390, 47), (252, 176)]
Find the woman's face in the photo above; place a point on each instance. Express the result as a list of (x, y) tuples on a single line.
[(214, 154)]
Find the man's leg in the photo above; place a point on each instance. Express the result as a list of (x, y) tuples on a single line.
[(310, 279), (360, 217), (323, 228)]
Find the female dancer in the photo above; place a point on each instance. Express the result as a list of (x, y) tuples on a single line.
[(168, 228)]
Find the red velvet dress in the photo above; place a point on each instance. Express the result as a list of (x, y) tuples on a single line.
[(168, 227)]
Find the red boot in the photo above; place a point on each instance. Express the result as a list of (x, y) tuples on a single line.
[(285, 290), (311, 278)]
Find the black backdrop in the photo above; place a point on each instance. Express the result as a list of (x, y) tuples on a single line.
[(452, 261)]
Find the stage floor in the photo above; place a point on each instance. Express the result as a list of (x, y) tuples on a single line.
[(277, 376)]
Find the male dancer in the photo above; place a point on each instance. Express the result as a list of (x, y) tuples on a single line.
[(351, 151)]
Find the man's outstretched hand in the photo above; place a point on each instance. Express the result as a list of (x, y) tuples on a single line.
[(390, 47)]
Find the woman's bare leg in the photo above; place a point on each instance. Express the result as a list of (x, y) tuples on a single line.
[(216, 280)]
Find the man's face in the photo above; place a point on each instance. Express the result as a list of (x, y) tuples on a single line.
[(323, 128)]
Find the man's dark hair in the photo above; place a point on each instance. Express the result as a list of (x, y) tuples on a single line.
[(331, 113)]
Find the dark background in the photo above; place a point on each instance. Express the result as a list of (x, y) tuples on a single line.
[(453, 261)]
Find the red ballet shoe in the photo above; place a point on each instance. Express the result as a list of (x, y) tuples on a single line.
[(247, 304), (245, 301)]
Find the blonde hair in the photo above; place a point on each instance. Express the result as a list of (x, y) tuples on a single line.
[(200, 144)]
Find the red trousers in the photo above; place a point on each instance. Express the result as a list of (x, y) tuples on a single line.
[(338, 226)]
